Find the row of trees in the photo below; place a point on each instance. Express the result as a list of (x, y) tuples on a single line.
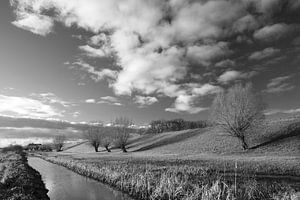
[(159, 126), (239, 111), (118, 135)]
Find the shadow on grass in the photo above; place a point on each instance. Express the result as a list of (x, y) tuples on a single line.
[(287, 132), (136, 142), (173, 139)]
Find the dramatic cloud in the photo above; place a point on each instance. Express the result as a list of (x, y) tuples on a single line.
[(145, 101), (38, 24), (157, 45), (279, 84), (266, 53), (26, 107)]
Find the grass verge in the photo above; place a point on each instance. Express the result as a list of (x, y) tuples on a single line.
[(18, 180), (170, 181)]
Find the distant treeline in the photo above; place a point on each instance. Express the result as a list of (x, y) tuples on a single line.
[(159, 126)]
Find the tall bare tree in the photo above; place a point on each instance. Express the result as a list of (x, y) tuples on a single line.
[(122, 132), (105, 142), (94, 137), (58, 142), (238, 111)]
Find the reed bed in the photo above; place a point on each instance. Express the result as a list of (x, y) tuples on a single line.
[(155, 182)]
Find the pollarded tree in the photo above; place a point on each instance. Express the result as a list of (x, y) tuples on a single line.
[(238, 111), (94, 137), (58, 142), (106, 138), (105, 142), (122, 132)]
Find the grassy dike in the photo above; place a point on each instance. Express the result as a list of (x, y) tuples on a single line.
[(18, 180), (154, 182)]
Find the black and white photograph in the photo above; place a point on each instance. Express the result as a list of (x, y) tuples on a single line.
[(150, 100)]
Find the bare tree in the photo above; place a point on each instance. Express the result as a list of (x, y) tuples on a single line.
[(122, 132), (238, 111), (105, 142), (58, 142), (94, 137)]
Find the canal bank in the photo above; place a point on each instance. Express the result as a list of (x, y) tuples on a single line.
[(64, 184)]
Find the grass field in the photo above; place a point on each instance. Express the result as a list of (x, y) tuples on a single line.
[(275, 152), (18, 180), (196, 164)]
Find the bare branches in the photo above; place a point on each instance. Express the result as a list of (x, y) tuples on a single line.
[(99, 136), (58, 142), (238, 111), (122, 132)]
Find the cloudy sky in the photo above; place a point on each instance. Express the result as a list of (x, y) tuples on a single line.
[(82, 60)]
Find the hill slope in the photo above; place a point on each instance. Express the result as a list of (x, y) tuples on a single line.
[(210, 141)]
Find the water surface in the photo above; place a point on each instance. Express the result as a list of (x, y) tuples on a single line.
[(64, 184)]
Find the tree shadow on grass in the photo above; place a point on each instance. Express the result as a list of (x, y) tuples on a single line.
[(171, 140), (287, 132)]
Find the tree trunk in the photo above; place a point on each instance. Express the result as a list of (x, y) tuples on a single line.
[(107, 149), (124, 148), (244, 144), (96, 148)]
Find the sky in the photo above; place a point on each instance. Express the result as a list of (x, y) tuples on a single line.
[(94, 60)]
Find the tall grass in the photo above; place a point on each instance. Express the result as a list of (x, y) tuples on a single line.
[(155, 182), (18, 180)]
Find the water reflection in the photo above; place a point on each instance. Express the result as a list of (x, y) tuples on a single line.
[(64, 184)]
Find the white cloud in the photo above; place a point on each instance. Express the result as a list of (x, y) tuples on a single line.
[(145, 101), (266, 53), (90, 101), (26, 107), (184, 101), (155, 42), (233, 75), (110, 100), (229, 76), (225, 63), (96, 75), (146, 45), (273, 32), (8, 88), (279, 84), (50, 98), (204, 54), (150, 72), (95, 52), (76, 114), (246, 23), (38, 24)]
